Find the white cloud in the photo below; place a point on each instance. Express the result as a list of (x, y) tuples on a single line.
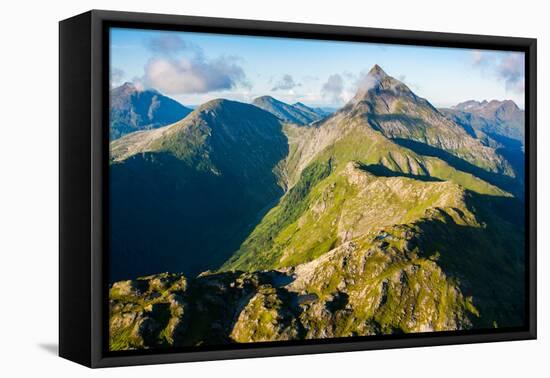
[(366, 82), (286, 83), (138, 83), (333, 88), (193, 75), (181, 67), (168, 43), (479, 57), (508, 67), (116, 76), (512, 70)]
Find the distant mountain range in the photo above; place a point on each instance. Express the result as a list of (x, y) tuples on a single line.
[(282, 222), (298, 113), (136, 110), (497, 119)]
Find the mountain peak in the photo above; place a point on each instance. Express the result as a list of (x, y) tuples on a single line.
[(486, 106), (264, 99), (125, 89), (377, 71), (220, 104), (509, 104), (128, 85), (376, 79)]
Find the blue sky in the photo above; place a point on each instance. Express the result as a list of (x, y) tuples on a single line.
[(196, 67)]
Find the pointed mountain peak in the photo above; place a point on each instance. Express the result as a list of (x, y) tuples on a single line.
[(126, 88), (129, 88), (128, 85), (510, 104), (376, 79), (377, 71)]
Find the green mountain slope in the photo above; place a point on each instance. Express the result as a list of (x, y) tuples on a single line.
[(185, 196), (325, 209), (319, 159), (449, 271)]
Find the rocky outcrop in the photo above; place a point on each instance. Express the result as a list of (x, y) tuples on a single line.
[(376, 284)]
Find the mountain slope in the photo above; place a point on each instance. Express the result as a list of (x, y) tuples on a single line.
[(184, 196), (320, 156), (327, 207), (398, 279), (393, 109), (298, 113), (315, 111), (495, 118), (295, 231), (135, 110), (349, 179)]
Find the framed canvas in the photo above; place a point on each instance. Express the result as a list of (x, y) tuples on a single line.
[(234, 188)]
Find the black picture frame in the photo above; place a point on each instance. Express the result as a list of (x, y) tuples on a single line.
[(83, 167)]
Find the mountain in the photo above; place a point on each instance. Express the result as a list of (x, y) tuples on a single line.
[(393, 109), (134, 110), (500, 120), (393, 280), (389, 163), (328, 109), (381, 130), (318, 111), (384, 217), (184, 196), (298, 113)]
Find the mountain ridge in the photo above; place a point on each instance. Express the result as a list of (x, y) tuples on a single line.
[(298, 113), (500, 120)]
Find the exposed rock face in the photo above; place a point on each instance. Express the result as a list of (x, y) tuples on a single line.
[(357, 289), (147, 312)]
